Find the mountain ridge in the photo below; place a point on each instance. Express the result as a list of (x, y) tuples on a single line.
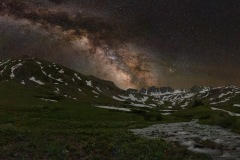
[(60, 83)]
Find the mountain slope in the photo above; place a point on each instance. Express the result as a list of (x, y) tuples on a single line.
[(225, 97), (55, 83), (60, 81), (45, 81)]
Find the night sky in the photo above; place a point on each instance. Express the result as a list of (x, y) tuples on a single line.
[(134, 43)]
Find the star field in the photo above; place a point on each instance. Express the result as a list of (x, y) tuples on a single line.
[(135, 43)]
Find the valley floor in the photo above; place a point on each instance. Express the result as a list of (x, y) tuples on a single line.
[(79, 131)]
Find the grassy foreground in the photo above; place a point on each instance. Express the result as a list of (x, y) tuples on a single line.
[(73, 130), (31, 128)]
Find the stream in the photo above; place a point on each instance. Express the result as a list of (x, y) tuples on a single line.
[(218, 142)]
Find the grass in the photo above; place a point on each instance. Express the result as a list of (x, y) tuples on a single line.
[(78, 132), (35, 129), (207, 116)]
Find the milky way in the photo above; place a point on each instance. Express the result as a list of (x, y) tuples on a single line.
[(107, 40)]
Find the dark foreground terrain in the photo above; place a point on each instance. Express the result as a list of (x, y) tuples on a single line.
[(48, 111), (34, 129)]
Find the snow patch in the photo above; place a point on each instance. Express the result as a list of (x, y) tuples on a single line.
[(165, 114), (165, 110), (76, 75), (224, 94), (13, 68), (43, 71), (236, 105), (98, 89), (61, 71), (56, 79), (95, 92), (133, 98), (119, 99), (230, 113), (204, 91), (57, 90), (36, 81), (49, 100), (144, 99), (223, 101), (140, 105), (89, 83), (23, 82), (114, 108), (205, 96), (38, 62), (4, 62), (184, 105), (3, 70), (188, 95)]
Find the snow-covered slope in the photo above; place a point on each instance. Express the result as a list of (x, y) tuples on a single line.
[(208, 95), (221, 97)]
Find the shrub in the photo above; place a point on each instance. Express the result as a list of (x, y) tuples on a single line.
[(207, 116), (153, 117), (197, 103), (138, 111)]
